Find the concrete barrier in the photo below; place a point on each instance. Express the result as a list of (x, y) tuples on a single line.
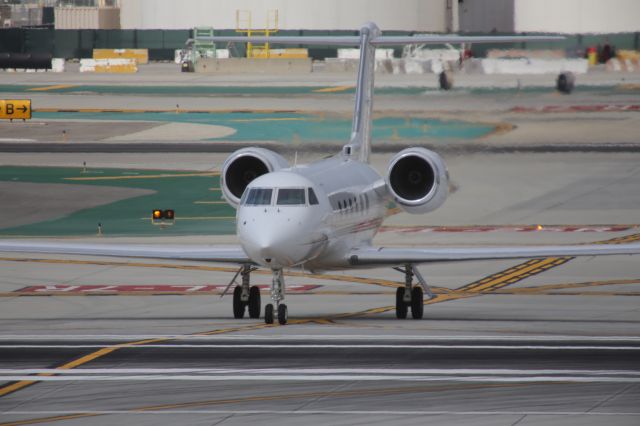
[(252, 66), (531, 66), (355, 53), (141, 56)]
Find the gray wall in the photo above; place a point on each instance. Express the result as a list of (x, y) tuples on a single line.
[(407, 15), (487, 15)]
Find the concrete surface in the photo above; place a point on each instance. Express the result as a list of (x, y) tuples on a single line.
[(556, 347)]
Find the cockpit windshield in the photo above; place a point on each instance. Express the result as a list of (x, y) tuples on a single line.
[(258, 197), (291, 196)]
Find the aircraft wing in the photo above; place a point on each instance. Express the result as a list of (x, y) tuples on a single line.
[(415, 255), (223, 254)]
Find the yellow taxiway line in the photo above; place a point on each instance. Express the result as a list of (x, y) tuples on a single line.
[(333, 89), (54, 87)]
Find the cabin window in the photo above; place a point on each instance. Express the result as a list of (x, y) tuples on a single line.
[(313, 200), (291, 197), (259, 197)]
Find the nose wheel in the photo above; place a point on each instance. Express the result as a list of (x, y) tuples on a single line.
[(277, 295), (283, 314)]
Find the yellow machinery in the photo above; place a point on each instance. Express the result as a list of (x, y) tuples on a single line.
[(243, 26)]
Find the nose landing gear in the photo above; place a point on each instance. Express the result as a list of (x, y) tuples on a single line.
[(277, 295)]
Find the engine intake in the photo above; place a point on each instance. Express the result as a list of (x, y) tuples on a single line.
[(418, 180), (243, 166)]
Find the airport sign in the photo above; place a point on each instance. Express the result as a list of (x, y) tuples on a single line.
[(19, 109)]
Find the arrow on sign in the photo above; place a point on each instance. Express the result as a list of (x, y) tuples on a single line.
[(24, 108)]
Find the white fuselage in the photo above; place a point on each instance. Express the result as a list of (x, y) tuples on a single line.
[(278, 230)]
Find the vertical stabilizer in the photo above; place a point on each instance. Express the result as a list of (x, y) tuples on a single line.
[(360, 144)]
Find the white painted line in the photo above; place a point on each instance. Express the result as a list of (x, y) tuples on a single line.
[(324, 346), (312, 337), (307, 337), (249, 371), (329, 412), (327, 378)]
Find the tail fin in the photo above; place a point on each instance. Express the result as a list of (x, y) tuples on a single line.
[(359, 145)]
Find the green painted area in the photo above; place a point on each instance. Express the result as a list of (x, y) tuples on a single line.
[(297, 127), (173, 190)]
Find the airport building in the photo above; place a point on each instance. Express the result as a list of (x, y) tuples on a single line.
[(502, 16), (73, 28)]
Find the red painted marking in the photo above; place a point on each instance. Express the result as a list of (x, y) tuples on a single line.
[(163, 288), (578, 108), (509, 228)]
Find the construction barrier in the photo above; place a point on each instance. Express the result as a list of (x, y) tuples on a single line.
[(108, 65), (141, 56)]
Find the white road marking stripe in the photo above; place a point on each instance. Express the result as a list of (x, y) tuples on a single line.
[(315, 337), (249, 371), (328, 378), (330, 412), (324, 346)]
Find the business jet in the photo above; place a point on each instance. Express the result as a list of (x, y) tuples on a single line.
[(323, 215)]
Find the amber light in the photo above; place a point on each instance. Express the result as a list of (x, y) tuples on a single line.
[(157, 214)]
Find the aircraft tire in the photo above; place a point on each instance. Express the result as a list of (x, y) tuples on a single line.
[(254, 302), (238, 304), (283, 314), (417, 303), (401, 305), (268, 314)]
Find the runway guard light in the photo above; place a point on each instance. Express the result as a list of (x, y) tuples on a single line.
[(163, 217)]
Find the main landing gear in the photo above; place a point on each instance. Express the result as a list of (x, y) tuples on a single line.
[(409, 295), (277, 295), (246, 296)]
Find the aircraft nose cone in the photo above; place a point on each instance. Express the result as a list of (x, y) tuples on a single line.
[(272, 245)]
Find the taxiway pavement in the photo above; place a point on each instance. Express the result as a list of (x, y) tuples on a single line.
[(552, 341)]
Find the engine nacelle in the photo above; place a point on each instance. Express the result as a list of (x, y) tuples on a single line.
[(243, 166), (418, 180)]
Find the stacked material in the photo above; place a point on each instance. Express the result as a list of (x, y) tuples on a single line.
[(141, 56), (297, 53), (625, 60), (109, 65)]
